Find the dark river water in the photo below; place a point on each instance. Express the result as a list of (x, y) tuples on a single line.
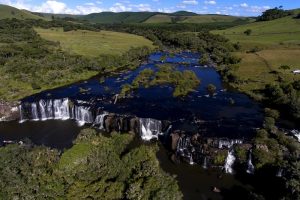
[(219, 117)]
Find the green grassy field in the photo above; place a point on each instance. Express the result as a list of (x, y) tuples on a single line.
[(10, 12), (278, 42), (266, 34), (92, 44)]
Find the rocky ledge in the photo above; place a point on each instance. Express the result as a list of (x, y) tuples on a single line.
[(9, 111)]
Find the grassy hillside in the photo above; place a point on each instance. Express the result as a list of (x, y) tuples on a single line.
[(123, 17), (92, 44), (11, 12), (281, 31), (273, 44), (183, 17)]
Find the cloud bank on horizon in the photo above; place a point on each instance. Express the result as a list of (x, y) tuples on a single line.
[(226, 7)]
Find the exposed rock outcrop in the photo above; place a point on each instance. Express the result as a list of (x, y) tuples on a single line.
[(9, 111)]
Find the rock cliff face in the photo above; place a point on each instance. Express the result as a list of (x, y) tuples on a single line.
[(9, 111)]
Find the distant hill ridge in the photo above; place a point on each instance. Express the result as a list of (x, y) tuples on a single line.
[(127, 17)]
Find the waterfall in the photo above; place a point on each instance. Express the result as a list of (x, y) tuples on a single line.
[(55, 109), (205, 163), (22, 118), (183, 144), (61, 109), (116, 98), (83, 115), (296, 133), (42, 105), (229, 143), (150, 128), (279, 173), (100, 120), (250, 166), (34, 112), (229, 162), (191, 159)]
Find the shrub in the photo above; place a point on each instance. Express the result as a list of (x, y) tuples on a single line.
[(248, 32), (211, 89), (272, 113)]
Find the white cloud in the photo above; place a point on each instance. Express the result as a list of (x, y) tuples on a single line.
[(119, 7), (210, 2), (244, 5), (190, 2), (142, 7), (52, 7)]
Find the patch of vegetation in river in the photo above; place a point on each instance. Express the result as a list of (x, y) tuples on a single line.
[(183, 82)]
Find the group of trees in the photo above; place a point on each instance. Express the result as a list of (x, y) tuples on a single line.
[(96, 167), (276, 150), (274, 13), (183, 82), (285, 95)]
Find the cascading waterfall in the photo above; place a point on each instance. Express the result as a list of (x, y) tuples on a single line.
[(42, 105), (100, 120), (22, 119), (279, 172), (82, 115), (229, 143), (55, 109), (250, 166), (229, 162), (61, 109), (34, 112), (185, 149), (150, 128)]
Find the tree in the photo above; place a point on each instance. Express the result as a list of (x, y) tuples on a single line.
[(248, 32), (274, 13)]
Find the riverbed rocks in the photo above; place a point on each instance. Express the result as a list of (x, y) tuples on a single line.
[(9, 111)]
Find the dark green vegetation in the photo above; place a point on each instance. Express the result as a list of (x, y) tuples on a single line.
[(96, 167), (183, 82), (274, 13), (275, 150), (11, 12), (29, 64)]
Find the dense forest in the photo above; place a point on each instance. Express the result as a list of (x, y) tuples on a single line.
[(96, 167)]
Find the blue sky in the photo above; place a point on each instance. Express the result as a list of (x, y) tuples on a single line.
[(229, 7)]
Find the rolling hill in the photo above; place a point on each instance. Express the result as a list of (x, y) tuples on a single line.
[(195, 18), (284, 31), (11, 12), (270, 45), (122, 17)]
